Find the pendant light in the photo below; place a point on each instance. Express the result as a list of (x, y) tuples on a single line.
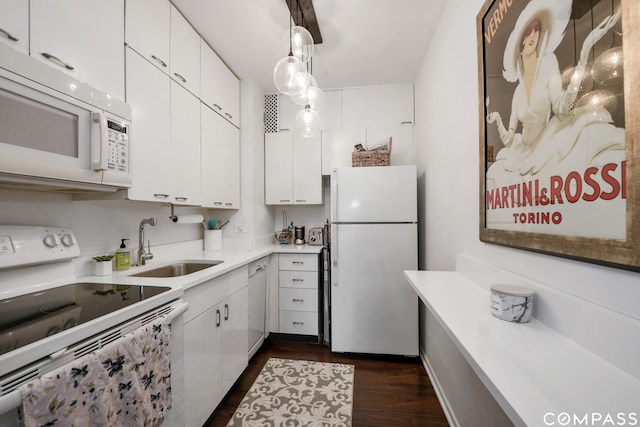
[(301, 43), (312, 95), (289, 74), (308, 122)]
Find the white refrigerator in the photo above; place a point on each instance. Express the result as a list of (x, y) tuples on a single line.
[(374, 238)]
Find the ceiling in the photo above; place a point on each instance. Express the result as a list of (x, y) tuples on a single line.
[(365, 42)]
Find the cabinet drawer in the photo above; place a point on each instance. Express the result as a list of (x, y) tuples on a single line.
[(298, 322), (298, 299), (304, 262), (298, 279), (205, 295)]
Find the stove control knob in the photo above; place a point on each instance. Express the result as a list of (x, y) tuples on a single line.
[(67, 240), (50, 241)]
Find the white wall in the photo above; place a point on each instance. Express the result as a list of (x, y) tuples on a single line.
[(447, 142)]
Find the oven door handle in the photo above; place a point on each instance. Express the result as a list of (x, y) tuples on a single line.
[(177, 311), (10, 401)]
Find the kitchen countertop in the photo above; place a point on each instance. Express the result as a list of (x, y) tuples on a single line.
[(232, 259)]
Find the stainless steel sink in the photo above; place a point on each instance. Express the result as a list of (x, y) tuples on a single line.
[(178, 269)]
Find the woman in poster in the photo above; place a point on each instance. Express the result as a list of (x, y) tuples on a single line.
[(557, 134)]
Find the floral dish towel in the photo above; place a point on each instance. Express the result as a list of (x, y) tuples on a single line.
[(126, 383)]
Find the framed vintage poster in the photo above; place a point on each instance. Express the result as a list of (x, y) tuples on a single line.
[(559, 119)]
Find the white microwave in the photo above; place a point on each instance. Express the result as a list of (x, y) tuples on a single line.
[(58, 132)]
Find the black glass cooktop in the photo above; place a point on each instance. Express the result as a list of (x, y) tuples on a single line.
[(31, 317)]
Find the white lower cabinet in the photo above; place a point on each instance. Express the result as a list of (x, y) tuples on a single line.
[(215, 342), (298, 293)]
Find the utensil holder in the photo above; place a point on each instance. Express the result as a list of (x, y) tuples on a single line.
[(212, 240)]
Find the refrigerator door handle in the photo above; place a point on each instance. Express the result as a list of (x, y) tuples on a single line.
[(334, 255)]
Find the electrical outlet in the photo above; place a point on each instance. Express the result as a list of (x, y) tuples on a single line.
[(241, 228)]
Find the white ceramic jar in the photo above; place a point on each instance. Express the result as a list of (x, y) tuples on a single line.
[(512, 303)]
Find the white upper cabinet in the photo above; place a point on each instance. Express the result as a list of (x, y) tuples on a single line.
[(287, 110), (278, 168), (220, 88), (292, 169), (83, 38), (185, 53), (14, 24), (220, 152), (307, 174), (148, 92), (377, 106), (147, 30), (185, 147), (369, 116)]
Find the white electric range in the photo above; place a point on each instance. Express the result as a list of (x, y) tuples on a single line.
[(48, 317)]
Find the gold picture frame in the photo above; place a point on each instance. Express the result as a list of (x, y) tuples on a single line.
[(566, 183)]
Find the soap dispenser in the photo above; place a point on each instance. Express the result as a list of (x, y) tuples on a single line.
[(123, 257)]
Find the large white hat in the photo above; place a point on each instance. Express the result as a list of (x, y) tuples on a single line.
[(554, 17)]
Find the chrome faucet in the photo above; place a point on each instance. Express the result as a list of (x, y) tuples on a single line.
[(142, 255)]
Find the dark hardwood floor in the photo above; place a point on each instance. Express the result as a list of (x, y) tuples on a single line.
[(388, 391)]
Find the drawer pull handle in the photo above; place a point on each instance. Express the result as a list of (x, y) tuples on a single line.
[(178, 75), (160, 195), (297, 280), (297, 300), (219, 108), (226, 312), (297, 262), (217, 318), (298, 323), (181, 199)]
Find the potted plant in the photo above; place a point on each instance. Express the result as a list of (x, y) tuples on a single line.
[(103, 265)]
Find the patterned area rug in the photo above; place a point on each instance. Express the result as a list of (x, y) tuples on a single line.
[(298, 393)]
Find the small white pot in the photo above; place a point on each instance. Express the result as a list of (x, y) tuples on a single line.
[(103, 268)]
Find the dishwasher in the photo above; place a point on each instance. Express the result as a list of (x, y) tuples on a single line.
[(257, 304)]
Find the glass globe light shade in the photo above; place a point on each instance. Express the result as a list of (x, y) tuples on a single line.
[(308, 122), (586, 82), (608, 67), (312, 96), (287, 76), (301, 42), (316, 98), (302, 98), (599, 99)]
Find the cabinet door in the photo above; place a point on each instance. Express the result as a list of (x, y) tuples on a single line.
[(278, 168), (307, 170), (377, 105), (185, 53), (14, 24), (287, 110), (83, 38), (202, 366), (220, 88), (220, 147), (148, 23), (337, 146), (148, 93), (235, 335), (185, 146)]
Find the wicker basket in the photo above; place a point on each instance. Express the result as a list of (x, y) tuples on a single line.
[(370, 158)]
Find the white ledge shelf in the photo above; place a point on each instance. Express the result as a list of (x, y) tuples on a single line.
[(530, 369)]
